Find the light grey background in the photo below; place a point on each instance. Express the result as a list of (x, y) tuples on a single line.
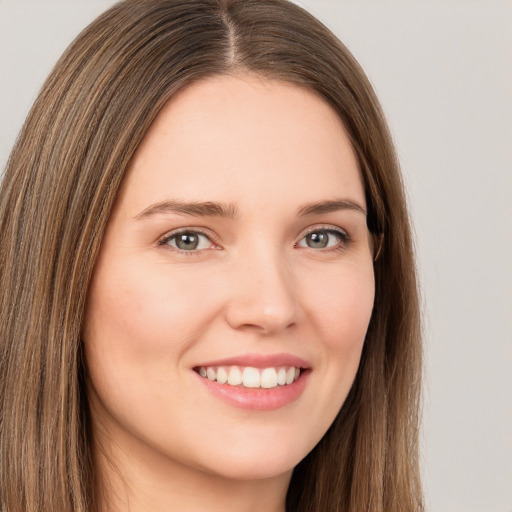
[(443, 71)]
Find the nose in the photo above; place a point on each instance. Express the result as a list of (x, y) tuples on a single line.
[(262, 295)]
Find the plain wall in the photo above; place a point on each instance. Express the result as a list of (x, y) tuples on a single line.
[(443, 71)]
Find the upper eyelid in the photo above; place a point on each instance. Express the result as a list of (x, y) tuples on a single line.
[(323, 227)]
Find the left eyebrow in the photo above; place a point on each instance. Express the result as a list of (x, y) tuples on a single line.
[(330, 206)]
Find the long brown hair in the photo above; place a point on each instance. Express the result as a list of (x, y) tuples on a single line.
[(60, 184)]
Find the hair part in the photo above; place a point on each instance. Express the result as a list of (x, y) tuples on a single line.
[(60, 185)]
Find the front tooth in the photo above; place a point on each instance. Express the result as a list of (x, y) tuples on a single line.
[(281, 376), (211, 373), (290, 375), (269, 378), (235, 376), (251, 377), (222, 375)]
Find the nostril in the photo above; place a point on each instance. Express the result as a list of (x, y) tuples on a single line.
[(251, 317)]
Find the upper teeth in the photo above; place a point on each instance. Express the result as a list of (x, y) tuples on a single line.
[(250, 377)]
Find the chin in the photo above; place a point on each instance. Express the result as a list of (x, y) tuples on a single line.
[(248, 469), (258, 459)]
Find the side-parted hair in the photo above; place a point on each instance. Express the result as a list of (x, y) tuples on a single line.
[(60, 185)]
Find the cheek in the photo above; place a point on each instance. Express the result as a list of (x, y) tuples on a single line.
[(342, 307), (340, 313), (138, 323), (139, 312)]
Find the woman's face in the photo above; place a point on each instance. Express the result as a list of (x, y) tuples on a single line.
[(237, 250)]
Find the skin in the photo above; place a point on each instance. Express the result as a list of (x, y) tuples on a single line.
[(253, 285)]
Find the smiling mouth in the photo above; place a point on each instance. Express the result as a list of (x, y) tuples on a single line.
[(250, 377)]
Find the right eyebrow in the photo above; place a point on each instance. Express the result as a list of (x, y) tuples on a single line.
[(196, 209)]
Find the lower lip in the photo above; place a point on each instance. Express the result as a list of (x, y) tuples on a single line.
[(257, 399)]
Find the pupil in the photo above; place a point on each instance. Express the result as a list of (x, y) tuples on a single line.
[(317, 240), (187, 241)]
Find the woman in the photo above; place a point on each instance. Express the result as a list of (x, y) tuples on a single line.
[(208, 293)]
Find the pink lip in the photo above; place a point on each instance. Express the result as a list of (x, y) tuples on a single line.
[(257, 399), (260, 361)]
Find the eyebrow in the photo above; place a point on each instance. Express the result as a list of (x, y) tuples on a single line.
[(230, 211), (330, 206), (196, 209)]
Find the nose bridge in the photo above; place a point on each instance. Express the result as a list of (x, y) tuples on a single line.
[(262, 295)]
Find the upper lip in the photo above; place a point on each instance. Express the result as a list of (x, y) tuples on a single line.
[(260, 361)]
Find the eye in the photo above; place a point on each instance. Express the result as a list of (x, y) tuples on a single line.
[(187, 241), (324, 239)]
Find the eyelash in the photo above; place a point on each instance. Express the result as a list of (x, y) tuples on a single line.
[(343, 236), (167, 238)]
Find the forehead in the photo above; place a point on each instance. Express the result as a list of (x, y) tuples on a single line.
[(239, 138)]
